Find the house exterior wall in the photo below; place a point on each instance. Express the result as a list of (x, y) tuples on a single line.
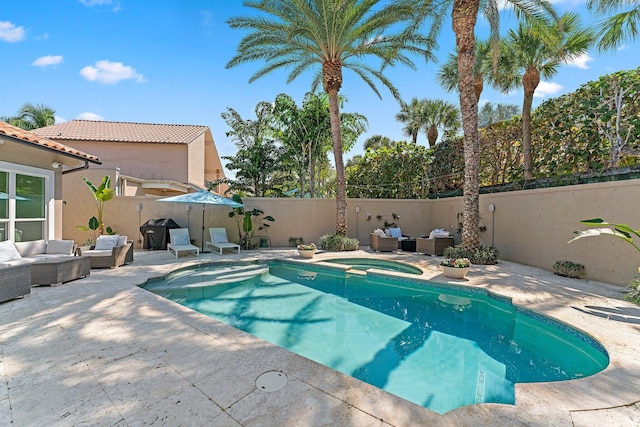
[(530, 227), (196, 161), (140, 160), (21, 154)]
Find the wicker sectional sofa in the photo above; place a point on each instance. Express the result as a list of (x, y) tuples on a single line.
[(53, 260)]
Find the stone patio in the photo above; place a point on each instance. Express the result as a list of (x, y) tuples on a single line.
[(101, 351)]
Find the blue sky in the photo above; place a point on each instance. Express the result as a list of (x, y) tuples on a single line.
[(164, 62)]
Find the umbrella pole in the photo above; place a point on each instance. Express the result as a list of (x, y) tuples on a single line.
[(202, 234)]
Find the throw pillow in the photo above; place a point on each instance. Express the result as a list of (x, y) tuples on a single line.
[(106, 243), (122, 240), (60, 247), (395, 232), (379, 232), (8, 251), (180, 240)]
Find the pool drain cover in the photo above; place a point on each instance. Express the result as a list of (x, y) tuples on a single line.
[(271, 381)]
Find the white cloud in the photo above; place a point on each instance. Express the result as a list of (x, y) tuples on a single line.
[(10, 33), (580, 62), (623, 47), (60, 120), (92, 3), (108, 72), (546, 89), (44, 61), (89, 116)]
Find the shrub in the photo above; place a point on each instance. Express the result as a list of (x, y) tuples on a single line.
[(568, 269), (295, 241), (484, 255), (337, 242), (633, 291)]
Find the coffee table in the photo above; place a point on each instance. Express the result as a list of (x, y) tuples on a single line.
[(408, 245), (56, 271)]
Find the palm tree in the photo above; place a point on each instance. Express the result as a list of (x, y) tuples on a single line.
[(464, 14), (492, 113), (32, 116), (482, 70), (439, 114), (376, 141), (413, 116), (329, 36), (538, 50), (619, 27)]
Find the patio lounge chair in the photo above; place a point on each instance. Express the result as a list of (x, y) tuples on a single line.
[(180, 242), (220, 241)]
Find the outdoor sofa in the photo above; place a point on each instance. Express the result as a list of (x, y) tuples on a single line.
[(386, 240), (37, 262), (110, 251)]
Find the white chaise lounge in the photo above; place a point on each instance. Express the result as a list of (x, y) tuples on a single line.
[(180, 242), (220, 241)]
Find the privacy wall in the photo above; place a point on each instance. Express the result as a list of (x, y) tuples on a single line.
[(530, 227)]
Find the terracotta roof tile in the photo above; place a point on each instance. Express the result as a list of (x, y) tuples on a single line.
[(40, 141), (91, 130)]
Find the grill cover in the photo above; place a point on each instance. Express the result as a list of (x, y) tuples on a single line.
[(156, 232)]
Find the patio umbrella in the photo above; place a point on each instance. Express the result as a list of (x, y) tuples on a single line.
[(205, 198)]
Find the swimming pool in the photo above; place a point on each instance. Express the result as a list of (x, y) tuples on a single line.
[(382, 264), (437, 345)]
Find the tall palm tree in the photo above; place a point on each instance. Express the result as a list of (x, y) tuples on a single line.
[(619, 27), (464, 14), (33, 116), (439, 114), (535, 51), (329, 36), (413, 116)]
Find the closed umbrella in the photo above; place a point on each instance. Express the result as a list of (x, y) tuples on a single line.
[(205, 198)]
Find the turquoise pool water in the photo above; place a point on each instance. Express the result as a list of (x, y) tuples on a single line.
[(439, 346), (382, 264)]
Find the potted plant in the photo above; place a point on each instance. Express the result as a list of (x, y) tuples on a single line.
[(455, 268), (307, 250)]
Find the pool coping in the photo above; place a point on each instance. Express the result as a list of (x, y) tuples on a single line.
[(315, 392)]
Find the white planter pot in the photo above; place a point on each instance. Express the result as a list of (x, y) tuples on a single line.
[(454, 272), (307, 254)]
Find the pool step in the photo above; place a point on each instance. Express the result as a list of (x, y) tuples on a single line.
[(190, 278)]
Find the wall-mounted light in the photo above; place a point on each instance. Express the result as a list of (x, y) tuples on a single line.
[(56, 165), (357, 209), (188, 207), (138, 207), (492, 208)]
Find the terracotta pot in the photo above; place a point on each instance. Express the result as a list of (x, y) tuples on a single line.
[(454, 272), (307, 253)]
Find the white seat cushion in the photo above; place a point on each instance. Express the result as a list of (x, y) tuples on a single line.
[(31, 248), (180, 240), (97, 252)]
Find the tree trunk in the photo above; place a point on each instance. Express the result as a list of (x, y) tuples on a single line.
[(332, 81), (478, 87), (414, 136), (464, 17), (530, 81), (432, 136)]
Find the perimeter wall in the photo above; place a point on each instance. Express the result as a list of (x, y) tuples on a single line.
[(530, 227)]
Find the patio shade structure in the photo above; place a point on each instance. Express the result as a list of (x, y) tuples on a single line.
[(204, 198)]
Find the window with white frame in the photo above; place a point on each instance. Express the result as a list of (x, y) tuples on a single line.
[(26, 203)]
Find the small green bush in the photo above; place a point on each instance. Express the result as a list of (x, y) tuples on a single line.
[(337, 242), (295, 241), (484, 255), (568, 269), (633, 291)]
